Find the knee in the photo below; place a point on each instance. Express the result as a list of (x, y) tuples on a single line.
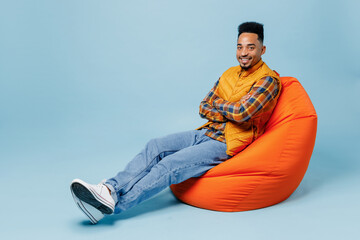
[(152, 145)]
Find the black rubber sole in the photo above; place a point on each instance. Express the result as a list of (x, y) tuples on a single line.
[(85, 195)]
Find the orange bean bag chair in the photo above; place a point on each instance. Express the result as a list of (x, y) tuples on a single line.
[(270, 169)]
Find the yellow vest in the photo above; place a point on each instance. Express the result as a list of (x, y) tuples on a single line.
[(233, 85)]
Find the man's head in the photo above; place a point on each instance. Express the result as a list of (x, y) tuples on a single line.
[(250, 46)]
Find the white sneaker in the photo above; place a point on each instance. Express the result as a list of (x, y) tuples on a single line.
[(97, 196), (92, 213)]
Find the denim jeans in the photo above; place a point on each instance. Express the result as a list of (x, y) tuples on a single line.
[(165, 161)]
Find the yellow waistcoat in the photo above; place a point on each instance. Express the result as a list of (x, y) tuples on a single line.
[(233, 85)]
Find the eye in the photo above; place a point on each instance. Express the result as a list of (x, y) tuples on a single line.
[(239, 48), (251, 48)]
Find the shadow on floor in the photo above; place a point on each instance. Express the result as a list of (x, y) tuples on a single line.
[(327, 165), (160, 202)]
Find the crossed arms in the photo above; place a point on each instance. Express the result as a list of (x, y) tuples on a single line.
[(216, 109)]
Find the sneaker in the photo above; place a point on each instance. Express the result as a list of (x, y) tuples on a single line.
[(97, 196), (92, 213)]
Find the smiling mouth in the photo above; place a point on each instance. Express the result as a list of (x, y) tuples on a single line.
[(244, 60)]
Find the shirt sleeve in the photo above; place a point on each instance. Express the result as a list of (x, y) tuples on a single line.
[(207, 111), (260, 94)]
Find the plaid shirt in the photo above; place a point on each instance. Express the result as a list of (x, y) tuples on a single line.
[(218, 111)]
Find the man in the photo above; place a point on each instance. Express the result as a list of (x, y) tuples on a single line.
[(237, 109)]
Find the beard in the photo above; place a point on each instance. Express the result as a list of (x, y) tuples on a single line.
[(245, 67)]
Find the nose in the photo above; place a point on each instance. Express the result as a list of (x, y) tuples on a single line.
[(243, 52)]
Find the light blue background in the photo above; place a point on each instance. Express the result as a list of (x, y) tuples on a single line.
[(85, 84)]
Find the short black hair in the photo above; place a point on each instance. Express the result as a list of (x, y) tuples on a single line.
[(252, 27)]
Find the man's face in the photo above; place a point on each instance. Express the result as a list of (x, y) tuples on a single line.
[(249, 50)]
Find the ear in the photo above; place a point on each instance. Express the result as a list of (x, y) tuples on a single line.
[(263, 50)]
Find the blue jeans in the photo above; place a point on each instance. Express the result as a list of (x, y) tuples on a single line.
[(165, 161)]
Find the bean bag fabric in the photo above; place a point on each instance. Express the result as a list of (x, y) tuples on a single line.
[(270, 169)]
